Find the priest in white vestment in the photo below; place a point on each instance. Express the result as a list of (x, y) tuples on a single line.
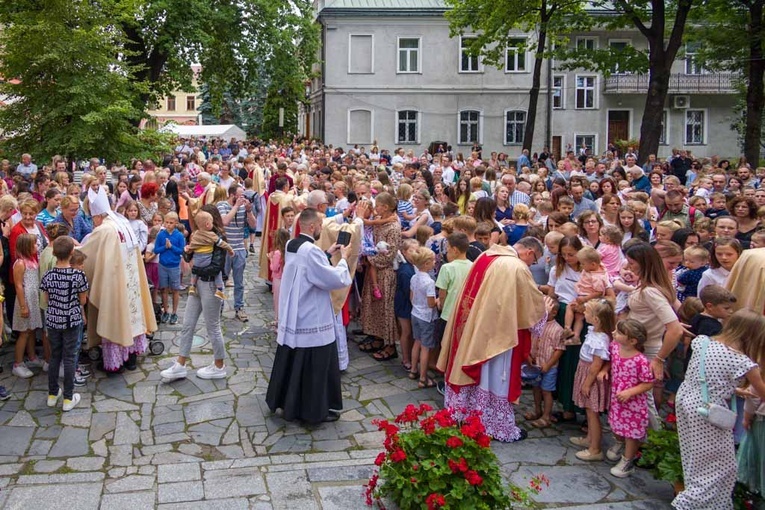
[(119, 310), (305, 380)]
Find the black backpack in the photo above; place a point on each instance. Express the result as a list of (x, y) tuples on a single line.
[(216, 265)]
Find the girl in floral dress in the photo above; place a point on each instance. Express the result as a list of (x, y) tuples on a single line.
[(631, 379)]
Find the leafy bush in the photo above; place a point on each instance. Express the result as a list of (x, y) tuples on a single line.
[(433, 461)]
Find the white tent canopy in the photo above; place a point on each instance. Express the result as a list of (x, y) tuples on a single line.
[(224, 131)]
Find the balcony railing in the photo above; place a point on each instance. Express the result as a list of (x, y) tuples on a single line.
[(711, 83)]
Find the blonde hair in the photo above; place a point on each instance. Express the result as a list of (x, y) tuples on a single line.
[(588, 254), (603, 309), (747, 328), (672, 225), (422, 256), (697, 252), (404, 191), (521, 212)]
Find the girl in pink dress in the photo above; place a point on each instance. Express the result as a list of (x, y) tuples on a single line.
[(276, 264), (631, 380)]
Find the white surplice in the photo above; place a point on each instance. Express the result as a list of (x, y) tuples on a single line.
[(306, 316)]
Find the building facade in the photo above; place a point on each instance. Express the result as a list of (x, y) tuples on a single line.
[(392, 75), (179, 106)]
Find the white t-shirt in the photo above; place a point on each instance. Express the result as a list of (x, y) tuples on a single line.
[(422, 287), (565, 285)]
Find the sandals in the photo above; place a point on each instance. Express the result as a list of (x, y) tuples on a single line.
[(414, 376), (386, 353), (532, 416), (406, 366), (426, 383), (541, 423), (371, 345)]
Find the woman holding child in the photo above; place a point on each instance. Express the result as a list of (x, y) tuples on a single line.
[(378, 319)]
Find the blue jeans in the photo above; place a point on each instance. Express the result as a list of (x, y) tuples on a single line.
[(203, 303), (235, 269)]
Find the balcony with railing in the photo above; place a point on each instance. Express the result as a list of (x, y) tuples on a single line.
[(707, 83)]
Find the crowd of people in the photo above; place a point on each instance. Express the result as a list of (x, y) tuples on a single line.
[(593, 279)]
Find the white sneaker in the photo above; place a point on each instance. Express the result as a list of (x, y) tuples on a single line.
[(624, 468), (22, 371), (212, 372), (53, 399), (176, 371), (35, 363), (70, 404), (614, 453), (45, 366)]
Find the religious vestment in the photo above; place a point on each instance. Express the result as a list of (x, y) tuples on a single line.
[(273, 221), (747, 280), (305, 380), (331, 227), (119, 310), (487, 338)]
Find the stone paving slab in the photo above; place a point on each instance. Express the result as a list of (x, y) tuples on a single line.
[(137, 443)]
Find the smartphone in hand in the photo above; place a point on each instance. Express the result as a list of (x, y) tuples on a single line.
[(344, 238)]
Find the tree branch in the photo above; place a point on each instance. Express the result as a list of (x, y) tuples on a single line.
[(676, 37), (630, 12)]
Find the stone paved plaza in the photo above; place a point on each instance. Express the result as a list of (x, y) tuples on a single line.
[(137, 443)]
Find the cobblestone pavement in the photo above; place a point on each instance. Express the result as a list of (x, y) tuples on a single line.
[(137, 443)]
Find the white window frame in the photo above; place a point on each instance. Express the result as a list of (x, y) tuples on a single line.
[(705, 126), (594, 145), (594, 92), (587, 38), (418, 123), (348, 138), (525, 120), (665, 128), (419, 55), (350, 52), (459, 63), (562, 91), (517, 57), (615, 69), (480, 126), (690, 65)]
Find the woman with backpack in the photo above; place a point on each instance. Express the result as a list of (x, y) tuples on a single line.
[(203, 302)]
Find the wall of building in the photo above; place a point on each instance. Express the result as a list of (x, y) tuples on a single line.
[(439, 91)]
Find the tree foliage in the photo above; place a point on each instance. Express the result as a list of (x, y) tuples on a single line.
[(81, 74), (662, 25), (66, 92), (730, 35)]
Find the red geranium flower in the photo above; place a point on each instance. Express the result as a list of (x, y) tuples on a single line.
[(380, 459), (398, 456), (473, 478), (454, 442), (435, 501), (444, 418), (456, 467), (428, 425), (483, 440), (671, 418)]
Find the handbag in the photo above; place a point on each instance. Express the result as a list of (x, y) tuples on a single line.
[(719, 416)]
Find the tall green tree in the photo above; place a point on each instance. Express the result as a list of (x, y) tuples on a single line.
[(730, 35), (66, 91), (662, 25), (497, 25), (231, 39)]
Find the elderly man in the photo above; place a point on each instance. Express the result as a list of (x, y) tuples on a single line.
[(488, 337), (305, 380), (26, 168), (117, 321), (516, 197)]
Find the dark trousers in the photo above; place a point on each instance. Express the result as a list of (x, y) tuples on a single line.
[(63, 348)]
